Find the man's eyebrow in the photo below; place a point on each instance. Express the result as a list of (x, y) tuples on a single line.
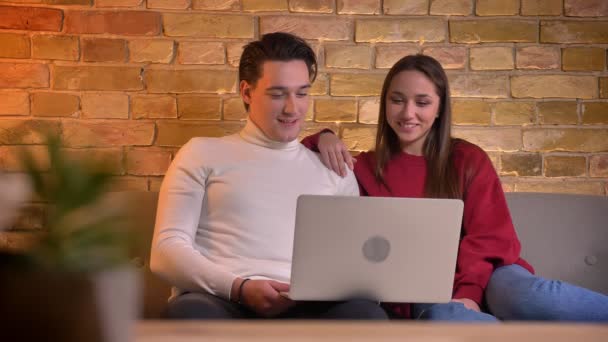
[(285, 88)]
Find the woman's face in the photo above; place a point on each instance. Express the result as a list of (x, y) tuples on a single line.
[(412, 105)]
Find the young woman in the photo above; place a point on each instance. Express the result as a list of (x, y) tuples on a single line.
[(415, 156)]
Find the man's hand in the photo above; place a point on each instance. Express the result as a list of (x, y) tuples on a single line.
[(468, 303), (262, 296), (334, 153)]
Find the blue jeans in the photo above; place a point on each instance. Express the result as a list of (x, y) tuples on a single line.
[(513, 293)]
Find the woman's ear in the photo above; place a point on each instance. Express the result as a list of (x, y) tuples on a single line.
[(245, 90)]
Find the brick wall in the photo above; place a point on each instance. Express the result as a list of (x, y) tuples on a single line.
[(130, 81)]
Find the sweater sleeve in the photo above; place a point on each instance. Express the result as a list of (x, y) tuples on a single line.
[(488, 237), (173, 255), (311, 142)]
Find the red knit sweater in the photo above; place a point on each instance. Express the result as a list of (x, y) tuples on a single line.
[(488, 237)]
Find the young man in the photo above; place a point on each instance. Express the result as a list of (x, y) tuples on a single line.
[(225, 223)]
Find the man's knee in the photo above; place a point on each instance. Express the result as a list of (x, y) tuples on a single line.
[(201, 306)]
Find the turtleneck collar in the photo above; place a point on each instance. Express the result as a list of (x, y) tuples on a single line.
[(251, 133)]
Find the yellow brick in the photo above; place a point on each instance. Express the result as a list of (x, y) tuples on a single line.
[(368, 110), (175, 133), (497, 7), (361, 138), (14, 103), (478, 85), (598, 166), (153, 107), (107, 133), (566, 139), (491, 139), (311, 6), (188, 81), (196, 107), (557, 113), (105, 105), (104, 50), (406, 7), (109, 158), (26, 132), (583, 188), (151, 50), (586, 8), (335, 110), (326, 28), (97, 78), (388, 55), (147, 161), (55, 104), (451, 7), (217, 5), (319, 87), (492, 58), (450, 58), (541, 7), (521, 164), (359, 6), (14, 45), (311, 128), (565, 166), (583, 59), (560, 31), (350, 57), (234, 51), (397, 30), (604, 87), (514, 113), (537, 57), (201, 53), (554, 86), (234, 109), (497, 30), (55, 47), (207, 25), (471, 112), (595, 113), (356, 84), (168, 4)]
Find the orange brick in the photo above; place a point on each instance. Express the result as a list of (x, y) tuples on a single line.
[(153, 107), (14, 45), (345, 56), (175, 133), (471, 112), (118, 3), (11, 157), (561, 31), (537, 57), (334, 28), (15, 75), (335, 110), (104, 50), (311, 6), (598, 166), (397, 30), (595, 113), (67, 2), (105, 105), (407, 7), (128, 184), (234, 109), (155, 183), (514, 113), (491, 139), (113, 22), (551, 86), (586, 8), (541, 7), (201, 53), (187, 81), (107, 133), (196, 107), (109, 158), (521, 164), (207, 25), (55, 47), (368, 110), (168, 4), (450, 58), (497, 30), (566, 139), (478, 85), (492, 58), (604, 87), (55, 104), (151, 50), (388, 55), (30, 18), (451, 7), (359, 6), (14, 103), (147, 162), (583, 59), (557, 113), (264, 5), (26, 132), (565, 166), (497, 7), (356, 84), (216, 5), (97, 78), (583, 188)]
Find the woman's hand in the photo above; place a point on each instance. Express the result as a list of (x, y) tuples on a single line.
[(468, 303), (334, 154)]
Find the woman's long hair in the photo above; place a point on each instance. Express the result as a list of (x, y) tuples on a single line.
[(441, 178)]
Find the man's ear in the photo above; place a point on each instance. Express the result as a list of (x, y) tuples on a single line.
[(245, 89)]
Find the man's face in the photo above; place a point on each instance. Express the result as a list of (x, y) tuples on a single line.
[(279, 101)]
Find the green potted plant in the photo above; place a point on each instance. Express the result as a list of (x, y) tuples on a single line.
[(75, 282)]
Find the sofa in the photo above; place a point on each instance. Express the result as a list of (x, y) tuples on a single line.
[(563, 236)]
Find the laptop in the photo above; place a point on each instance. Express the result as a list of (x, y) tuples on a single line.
[(377, 248)]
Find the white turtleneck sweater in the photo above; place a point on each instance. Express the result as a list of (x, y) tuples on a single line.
[(227, 209)]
